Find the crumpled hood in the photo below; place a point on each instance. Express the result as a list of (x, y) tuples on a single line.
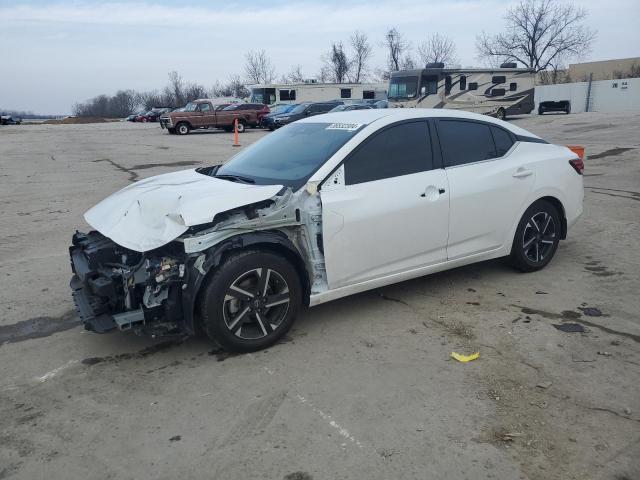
[(154, 211)]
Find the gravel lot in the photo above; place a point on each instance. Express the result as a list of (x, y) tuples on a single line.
[(363, 387)]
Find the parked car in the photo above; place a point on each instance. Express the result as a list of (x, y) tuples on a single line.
[(352, 106), (260, 109), (268, 121), (304, 110), (133, 116), (211, 113), (9, 120), (550, 106), (155, 113), (323, 208)]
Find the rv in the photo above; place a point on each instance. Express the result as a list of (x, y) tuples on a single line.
[(497, 91), (310, 91)]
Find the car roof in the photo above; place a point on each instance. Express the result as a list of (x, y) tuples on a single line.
[(368, 116)]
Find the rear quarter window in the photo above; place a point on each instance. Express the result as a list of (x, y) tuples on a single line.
[(503, 140)]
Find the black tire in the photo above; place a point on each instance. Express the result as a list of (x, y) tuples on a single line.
[(537, 237), (242, 126), (183, 128), (501, 114), (172, 131), (540, 111), (234, 303), (568, 109)]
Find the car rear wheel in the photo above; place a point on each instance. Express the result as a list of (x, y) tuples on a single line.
[(540, 111), (182, 128), (242, 126), (537, 237), (501, 114), (250, 301)]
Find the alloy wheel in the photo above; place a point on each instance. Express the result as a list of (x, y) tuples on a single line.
[(538, 237), (256, 303)]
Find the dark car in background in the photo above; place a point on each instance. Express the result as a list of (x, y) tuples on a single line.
[(152, 115), (268, 121), (557, 106), (305, 110), (9, 120), (352, 106)]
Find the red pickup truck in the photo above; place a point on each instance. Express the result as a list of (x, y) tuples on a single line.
[(215, 113)]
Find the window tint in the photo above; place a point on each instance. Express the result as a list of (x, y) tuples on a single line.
[(513, 86), (497, 92), (345, 93), (463, 82), (473, 86), (447, 85), (503, 140), (498, 79), (465, 142), (395, 151)]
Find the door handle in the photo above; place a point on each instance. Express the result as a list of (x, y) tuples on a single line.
[(522, 173), (431, 192)]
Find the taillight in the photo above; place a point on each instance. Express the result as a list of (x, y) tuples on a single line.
[(578, 163)]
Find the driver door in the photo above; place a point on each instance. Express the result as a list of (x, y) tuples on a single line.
[(386, 209)]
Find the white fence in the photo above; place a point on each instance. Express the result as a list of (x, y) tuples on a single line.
[(607, 96)]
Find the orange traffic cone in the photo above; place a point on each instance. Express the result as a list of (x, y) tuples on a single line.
[(236, 143)]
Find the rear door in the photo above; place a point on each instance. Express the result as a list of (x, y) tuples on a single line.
[(386, 209), (489, 185)]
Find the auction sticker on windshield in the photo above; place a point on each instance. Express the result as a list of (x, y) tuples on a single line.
[(350, 127)]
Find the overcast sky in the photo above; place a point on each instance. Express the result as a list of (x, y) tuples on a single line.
[(54, 53)]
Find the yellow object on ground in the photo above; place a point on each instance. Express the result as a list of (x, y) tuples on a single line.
[(465, 358)]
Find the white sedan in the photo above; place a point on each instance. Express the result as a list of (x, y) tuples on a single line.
[(323, 208)]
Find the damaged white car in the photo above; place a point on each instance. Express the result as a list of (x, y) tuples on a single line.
[(326, 207)]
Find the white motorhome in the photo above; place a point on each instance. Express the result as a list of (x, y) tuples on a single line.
[(496, 91), (311, 91)]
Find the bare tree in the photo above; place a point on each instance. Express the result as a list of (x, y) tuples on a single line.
[(175, 90), (437, 48), (234, 87), (362, 52), (194, 91), (538, 34), (258, 67), (396, 47), (336, 63), (295, 75)]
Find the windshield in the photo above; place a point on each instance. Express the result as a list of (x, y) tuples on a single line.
[(290, 155), (190, 107), (339, 108), (282, 109), (257, 95), (403, 87), (298, 109)]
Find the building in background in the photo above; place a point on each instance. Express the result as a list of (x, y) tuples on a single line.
[(605, 69)]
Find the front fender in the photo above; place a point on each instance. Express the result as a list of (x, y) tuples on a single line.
[(200, 265)]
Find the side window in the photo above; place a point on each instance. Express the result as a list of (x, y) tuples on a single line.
[(465, 142), (205, 107), (368, 95), (398, 150), (326, 107), (503, 140), (463, 82), (447, 85), (345, 93), (513, 86), (292, 94), (497, 92), (498, 79), (473, 86), (284, 95)]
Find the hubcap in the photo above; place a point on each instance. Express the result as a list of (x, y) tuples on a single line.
[(256, 303), (539, 237)]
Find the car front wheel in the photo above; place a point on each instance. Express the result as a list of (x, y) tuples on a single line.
[(537, 237), (182, 129), (250, 301)]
